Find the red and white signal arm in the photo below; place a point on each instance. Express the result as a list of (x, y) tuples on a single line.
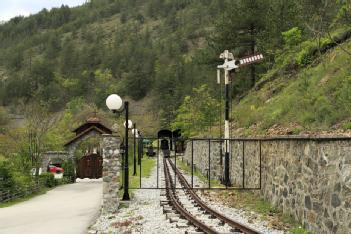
[(237, 63), (250, 59)]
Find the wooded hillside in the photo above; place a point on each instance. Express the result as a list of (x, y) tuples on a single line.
[(163, 49)]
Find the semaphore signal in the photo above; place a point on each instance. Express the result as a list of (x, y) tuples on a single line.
[(237, 63), (230, 63)]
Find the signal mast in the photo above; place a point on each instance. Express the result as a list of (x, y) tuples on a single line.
[(230, 63)]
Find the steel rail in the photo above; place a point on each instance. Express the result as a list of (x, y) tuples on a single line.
[(234, 224), (177, 205)]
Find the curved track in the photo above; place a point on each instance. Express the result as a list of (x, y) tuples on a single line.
[(177, 205)]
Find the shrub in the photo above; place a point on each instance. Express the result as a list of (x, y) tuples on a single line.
[(292, 37), (69, 171), (304, 57), (12, 180), (48, 180), (22, 182), (6, 180), (309, 49)]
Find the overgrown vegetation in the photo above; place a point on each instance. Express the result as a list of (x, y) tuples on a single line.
[(130, 47), (314, 99), (168, 50)]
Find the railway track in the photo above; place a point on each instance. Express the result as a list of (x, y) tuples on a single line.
[(177, 201)]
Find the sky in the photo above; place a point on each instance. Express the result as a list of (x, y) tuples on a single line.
[(12, 8)]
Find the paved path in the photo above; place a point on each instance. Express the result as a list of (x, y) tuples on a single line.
[(66, 209)]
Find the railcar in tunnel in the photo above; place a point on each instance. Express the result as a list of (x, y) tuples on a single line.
[(165, 148), (165, 136)]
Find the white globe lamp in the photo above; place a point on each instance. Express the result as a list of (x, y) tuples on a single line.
[(114, 102), (130, 124)]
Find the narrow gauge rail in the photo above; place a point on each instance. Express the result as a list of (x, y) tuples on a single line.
[(174, 200)]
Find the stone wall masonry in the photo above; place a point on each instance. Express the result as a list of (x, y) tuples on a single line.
[(110, 172), (308, 178), (245, 164), (201, 159)]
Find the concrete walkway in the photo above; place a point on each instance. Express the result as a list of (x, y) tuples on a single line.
[(66, 209)]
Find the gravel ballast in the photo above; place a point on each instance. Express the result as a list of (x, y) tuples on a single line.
[(144, 213)]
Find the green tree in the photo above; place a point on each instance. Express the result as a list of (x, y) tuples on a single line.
[(69, 58), (53, 46), (197, 112), (40, 121), (241, 30)]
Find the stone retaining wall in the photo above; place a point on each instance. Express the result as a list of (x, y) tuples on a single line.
[(201, 159), (307, 178)]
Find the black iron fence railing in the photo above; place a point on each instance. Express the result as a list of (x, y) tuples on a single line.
[(200, 159)]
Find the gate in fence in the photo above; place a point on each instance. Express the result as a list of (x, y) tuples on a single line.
[(201, 160), (89, 166)]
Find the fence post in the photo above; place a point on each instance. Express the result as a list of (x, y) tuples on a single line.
[(192, 163), (260, 164), (243, 164), (209, 163)]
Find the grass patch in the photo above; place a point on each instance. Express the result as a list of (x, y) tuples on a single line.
[(251, 201), (347, 125), (134, 181), (299, 230), (146, 166), (248, 200), (295, 227)]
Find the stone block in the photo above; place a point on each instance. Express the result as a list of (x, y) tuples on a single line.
[(308, 202), (311, 217), (335, 200)]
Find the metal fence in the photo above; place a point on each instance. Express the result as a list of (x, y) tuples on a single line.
[(207, 161), (241, 168)]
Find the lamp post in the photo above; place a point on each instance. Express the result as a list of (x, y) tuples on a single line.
[(140, 147), (114, 103), (134, 132), (122, 164)]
